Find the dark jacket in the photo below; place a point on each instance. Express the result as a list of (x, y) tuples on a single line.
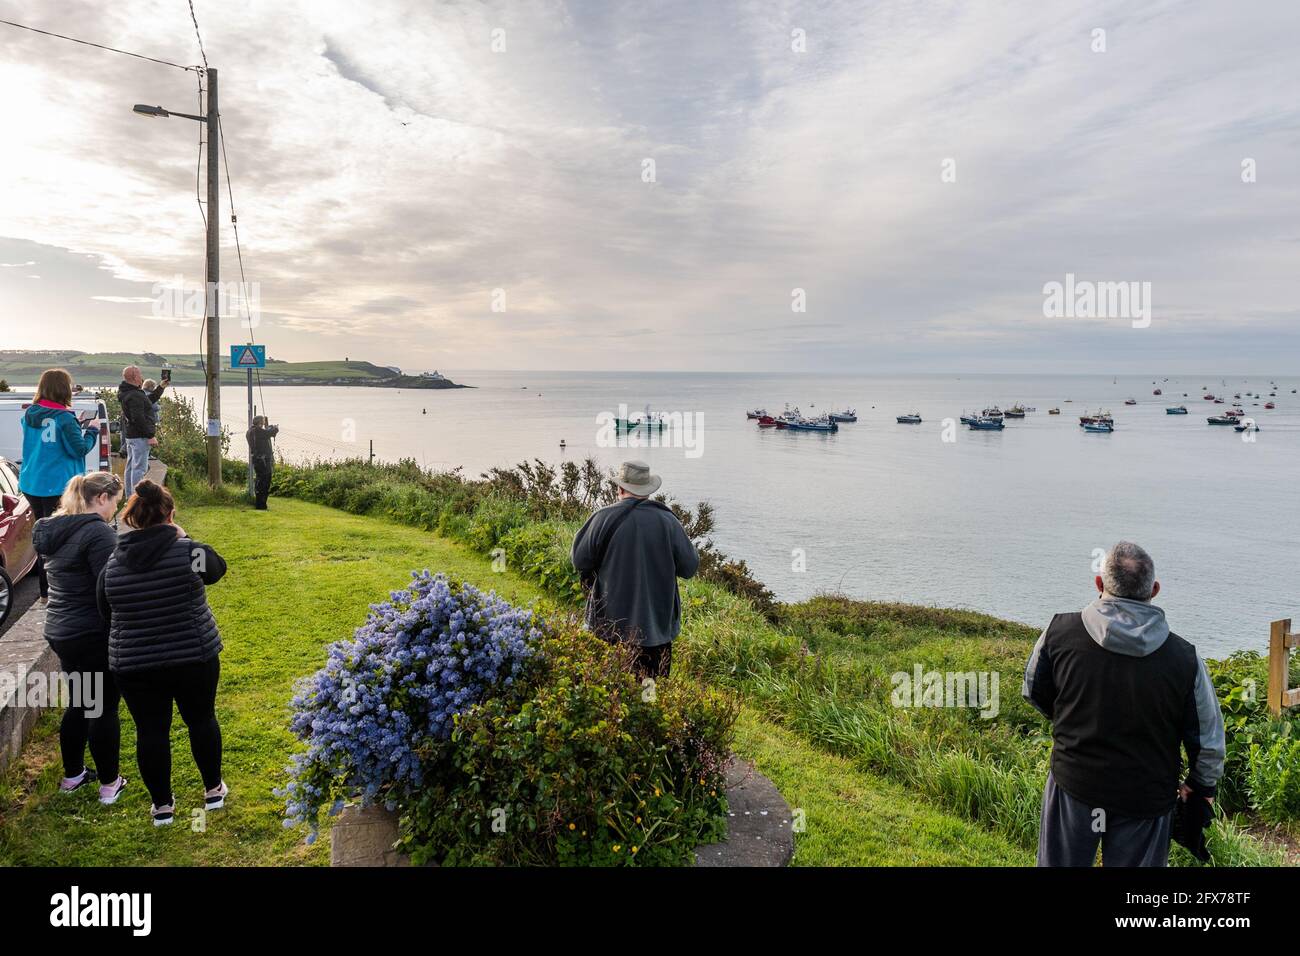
[(259, 441), (1123, 693), (75, 549), (138, 420), (54, 449), (152, 591), (635, 597)]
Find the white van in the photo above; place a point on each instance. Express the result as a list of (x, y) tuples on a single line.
[(85, 404)]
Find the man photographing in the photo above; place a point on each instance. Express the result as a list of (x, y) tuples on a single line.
[(262, 455), (139, 424), (632, 553)]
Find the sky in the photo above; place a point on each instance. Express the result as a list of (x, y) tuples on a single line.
[(868, 186)]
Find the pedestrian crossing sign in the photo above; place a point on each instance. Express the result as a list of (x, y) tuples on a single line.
[(248, 356)]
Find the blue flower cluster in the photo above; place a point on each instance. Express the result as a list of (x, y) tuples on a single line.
[(373, 716)]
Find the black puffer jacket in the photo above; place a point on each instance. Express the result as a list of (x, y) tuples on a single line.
[(153, 588), (137, 410), (75, 549)]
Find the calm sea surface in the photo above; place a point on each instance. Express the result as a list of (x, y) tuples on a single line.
[(1002, 522)]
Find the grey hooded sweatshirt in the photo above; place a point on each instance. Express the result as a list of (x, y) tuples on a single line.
[(1124, 693)]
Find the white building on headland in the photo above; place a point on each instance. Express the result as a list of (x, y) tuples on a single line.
[(435, 374)]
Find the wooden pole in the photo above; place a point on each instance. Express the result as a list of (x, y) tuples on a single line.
[(1278, 672), (213, 280)]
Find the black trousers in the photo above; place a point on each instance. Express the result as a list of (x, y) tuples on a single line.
[(262, 468), (96, 691), (653, 662), (43, 506), (149, 696)]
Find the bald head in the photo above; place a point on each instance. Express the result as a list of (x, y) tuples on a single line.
[(131, 374)]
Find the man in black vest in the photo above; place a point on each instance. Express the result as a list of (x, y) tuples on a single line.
[(1123, 693)]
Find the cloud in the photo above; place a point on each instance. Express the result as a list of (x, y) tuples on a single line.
[(390, 170)]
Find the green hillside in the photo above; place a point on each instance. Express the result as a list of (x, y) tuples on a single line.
[(97, 369)]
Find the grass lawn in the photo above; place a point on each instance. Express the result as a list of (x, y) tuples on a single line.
[(301, 576), (856, 818)]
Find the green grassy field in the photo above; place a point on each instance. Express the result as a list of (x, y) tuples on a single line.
[(301, 576), (101, 369)]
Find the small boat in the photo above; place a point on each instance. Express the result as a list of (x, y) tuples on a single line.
[(1270, 405), (1101, 418), (1015, 411), (969, 419), (1053, 411), (1219, 401), (1235, 412), (1176, 410), (912, 419), (1222, 420), (757, 413), (1238, 395), (993, 412), (1158, 392), (822, 424), (848, 415), (1130, 401), (1208, 396), (649, 423), (1252, 427), (767, 421), (1105, 427), (986, 424)]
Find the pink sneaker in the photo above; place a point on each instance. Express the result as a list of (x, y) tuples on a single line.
[(71, 784), (108, 793)]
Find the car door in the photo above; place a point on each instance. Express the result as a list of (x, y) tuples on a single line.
[(16, 523)]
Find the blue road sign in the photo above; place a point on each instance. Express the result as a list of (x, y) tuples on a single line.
[(248, 356)]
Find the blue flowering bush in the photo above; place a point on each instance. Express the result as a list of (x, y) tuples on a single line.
[(502, 738), (379, 715)]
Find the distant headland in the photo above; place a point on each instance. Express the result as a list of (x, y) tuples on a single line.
[(21, 368)]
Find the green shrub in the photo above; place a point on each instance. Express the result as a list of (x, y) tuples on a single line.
[(492, 520), (585, 768), (541, 551), (1273, 776)]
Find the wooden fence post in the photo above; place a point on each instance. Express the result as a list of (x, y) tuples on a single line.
[(1280, 643)]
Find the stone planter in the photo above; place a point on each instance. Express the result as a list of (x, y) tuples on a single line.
[(758, 829)]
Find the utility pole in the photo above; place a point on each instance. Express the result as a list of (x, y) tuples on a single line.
[(213, 364)]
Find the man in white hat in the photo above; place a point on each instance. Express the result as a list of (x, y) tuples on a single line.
[(631, 554)]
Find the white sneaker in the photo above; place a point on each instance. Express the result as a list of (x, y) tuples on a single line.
[(164, 816), (216, 799)]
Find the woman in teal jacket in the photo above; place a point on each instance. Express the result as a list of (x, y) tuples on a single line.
[(55, 445)]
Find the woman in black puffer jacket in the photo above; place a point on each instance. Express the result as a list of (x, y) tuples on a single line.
[(163, 643), (75, 544)]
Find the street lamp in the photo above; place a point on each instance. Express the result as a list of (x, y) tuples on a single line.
[(212, 365)]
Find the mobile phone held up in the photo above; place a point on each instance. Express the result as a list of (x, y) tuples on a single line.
[(166, 374)]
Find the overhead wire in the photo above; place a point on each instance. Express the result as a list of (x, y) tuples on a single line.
[(101, 46)]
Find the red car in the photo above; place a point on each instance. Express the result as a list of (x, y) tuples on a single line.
[(17, 557)]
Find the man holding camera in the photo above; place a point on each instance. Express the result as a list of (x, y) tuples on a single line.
[(139, 426), (262, 455)]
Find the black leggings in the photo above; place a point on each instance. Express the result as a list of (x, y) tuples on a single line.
[(149, 695), (42, 506), (88, 658)]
